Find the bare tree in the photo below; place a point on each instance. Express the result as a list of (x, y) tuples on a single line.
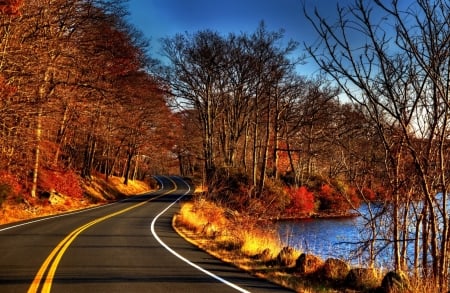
[(399, 74)]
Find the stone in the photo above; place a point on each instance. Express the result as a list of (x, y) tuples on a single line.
[(335, 269), (308, 264), (286, 257), (395, 282), (55, 198), (362, 278)]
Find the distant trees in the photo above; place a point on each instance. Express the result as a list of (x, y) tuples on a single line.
[(236, 86), (257, 118), (398, 74), (76, 92)]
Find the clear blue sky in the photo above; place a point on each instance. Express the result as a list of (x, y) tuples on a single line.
[(165, 18)]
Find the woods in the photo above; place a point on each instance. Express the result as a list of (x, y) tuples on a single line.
[(81, 96), (401, 73), (76, 95)]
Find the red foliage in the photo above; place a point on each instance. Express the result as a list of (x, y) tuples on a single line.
[(10, 7), (332, 200), (302, 200), (11, 181), (66, 183), (368, 194)]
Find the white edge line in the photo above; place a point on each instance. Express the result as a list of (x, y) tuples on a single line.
[(152, 228)]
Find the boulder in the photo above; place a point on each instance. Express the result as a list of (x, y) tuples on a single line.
[(308, 264), (395, 282), (335, 269), (286, 257), (362, 278), (55, 198)]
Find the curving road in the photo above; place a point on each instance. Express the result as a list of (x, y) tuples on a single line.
[(127, 246)]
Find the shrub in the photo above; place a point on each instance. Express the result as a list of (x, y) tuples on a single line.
[(368, 194), (66, 183), (335, 199), (302, 200), (11, 181)]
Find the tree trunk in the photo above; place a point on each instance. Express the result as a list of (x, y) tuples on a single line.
[(126, 175), (37, 151)]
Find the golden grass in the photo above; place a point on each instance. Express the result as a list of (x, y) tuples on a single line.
[(97, 191), (237, 240)]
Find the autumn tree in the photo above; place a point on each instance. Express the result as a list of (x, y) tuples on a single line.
[(74, 73), (399, 76)]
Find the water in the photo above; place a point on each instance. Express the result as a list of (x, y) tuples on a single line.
[(326, 238)]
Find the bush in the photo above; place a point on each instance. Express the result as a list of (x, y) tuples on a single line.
[(5, 190), (11, 181), (302, 200), (66, 183)]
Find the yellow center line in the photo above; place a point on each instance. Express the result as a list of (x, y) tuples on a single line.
[(57, 253)]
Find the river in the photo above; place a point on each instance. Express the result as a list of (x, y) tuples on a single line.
[(329, 237)]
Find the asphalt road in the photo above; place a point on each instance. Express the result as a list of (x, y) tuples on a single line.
[(127, 246)]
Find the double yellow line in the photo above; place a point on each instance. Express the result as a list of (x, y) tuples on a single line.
[(52, 261)]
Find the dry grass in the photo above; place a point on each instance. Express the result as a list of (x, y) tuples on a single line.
[(237, 240), (97, 191)]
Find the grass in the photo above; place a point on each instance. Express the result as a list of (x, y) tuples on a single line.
[(96, 191), (237, 239)]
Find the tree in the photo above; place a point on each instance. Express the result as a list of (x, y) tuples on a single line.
[(399, 75), (73, 84), (233, 85)]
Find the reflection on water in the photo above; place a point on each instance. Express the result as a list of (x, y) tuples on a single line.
[(332, 237), (324, 237)]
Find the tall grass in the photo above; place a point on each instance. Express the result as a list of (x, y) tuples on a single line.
[(255, 247)]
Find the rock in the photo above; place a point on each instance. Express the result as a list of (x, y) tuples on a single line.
[(286, 257), (395, 282), (335, 269), (362, 278), (265, 255), (308, 264), (56, 198)]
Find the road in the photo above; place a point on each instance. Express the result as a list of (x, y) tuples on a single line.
[(127, 246)]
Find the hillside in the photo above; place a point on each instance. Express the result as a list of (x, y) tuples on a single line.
[(96, 191)]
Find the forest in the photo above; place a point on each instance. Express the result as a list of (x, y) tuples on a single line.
[(81, 97)]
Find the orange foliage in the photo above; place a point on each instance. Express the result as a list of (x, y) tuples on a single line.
[(5, 89), (302, 200), (369, 194), (66, 183), (10, 7), (333, 200), (11, 181)]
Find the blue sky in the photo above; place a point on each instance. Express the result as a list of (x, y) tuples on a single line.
[(165, 18)]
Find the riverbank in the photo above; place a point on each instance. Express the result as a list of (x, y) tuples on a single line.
[(321, 215), (255, 248)]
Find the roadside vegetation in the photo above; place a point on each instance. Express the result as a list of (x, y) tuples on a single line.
[(80, 100), (16, 206), (254, 246)]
